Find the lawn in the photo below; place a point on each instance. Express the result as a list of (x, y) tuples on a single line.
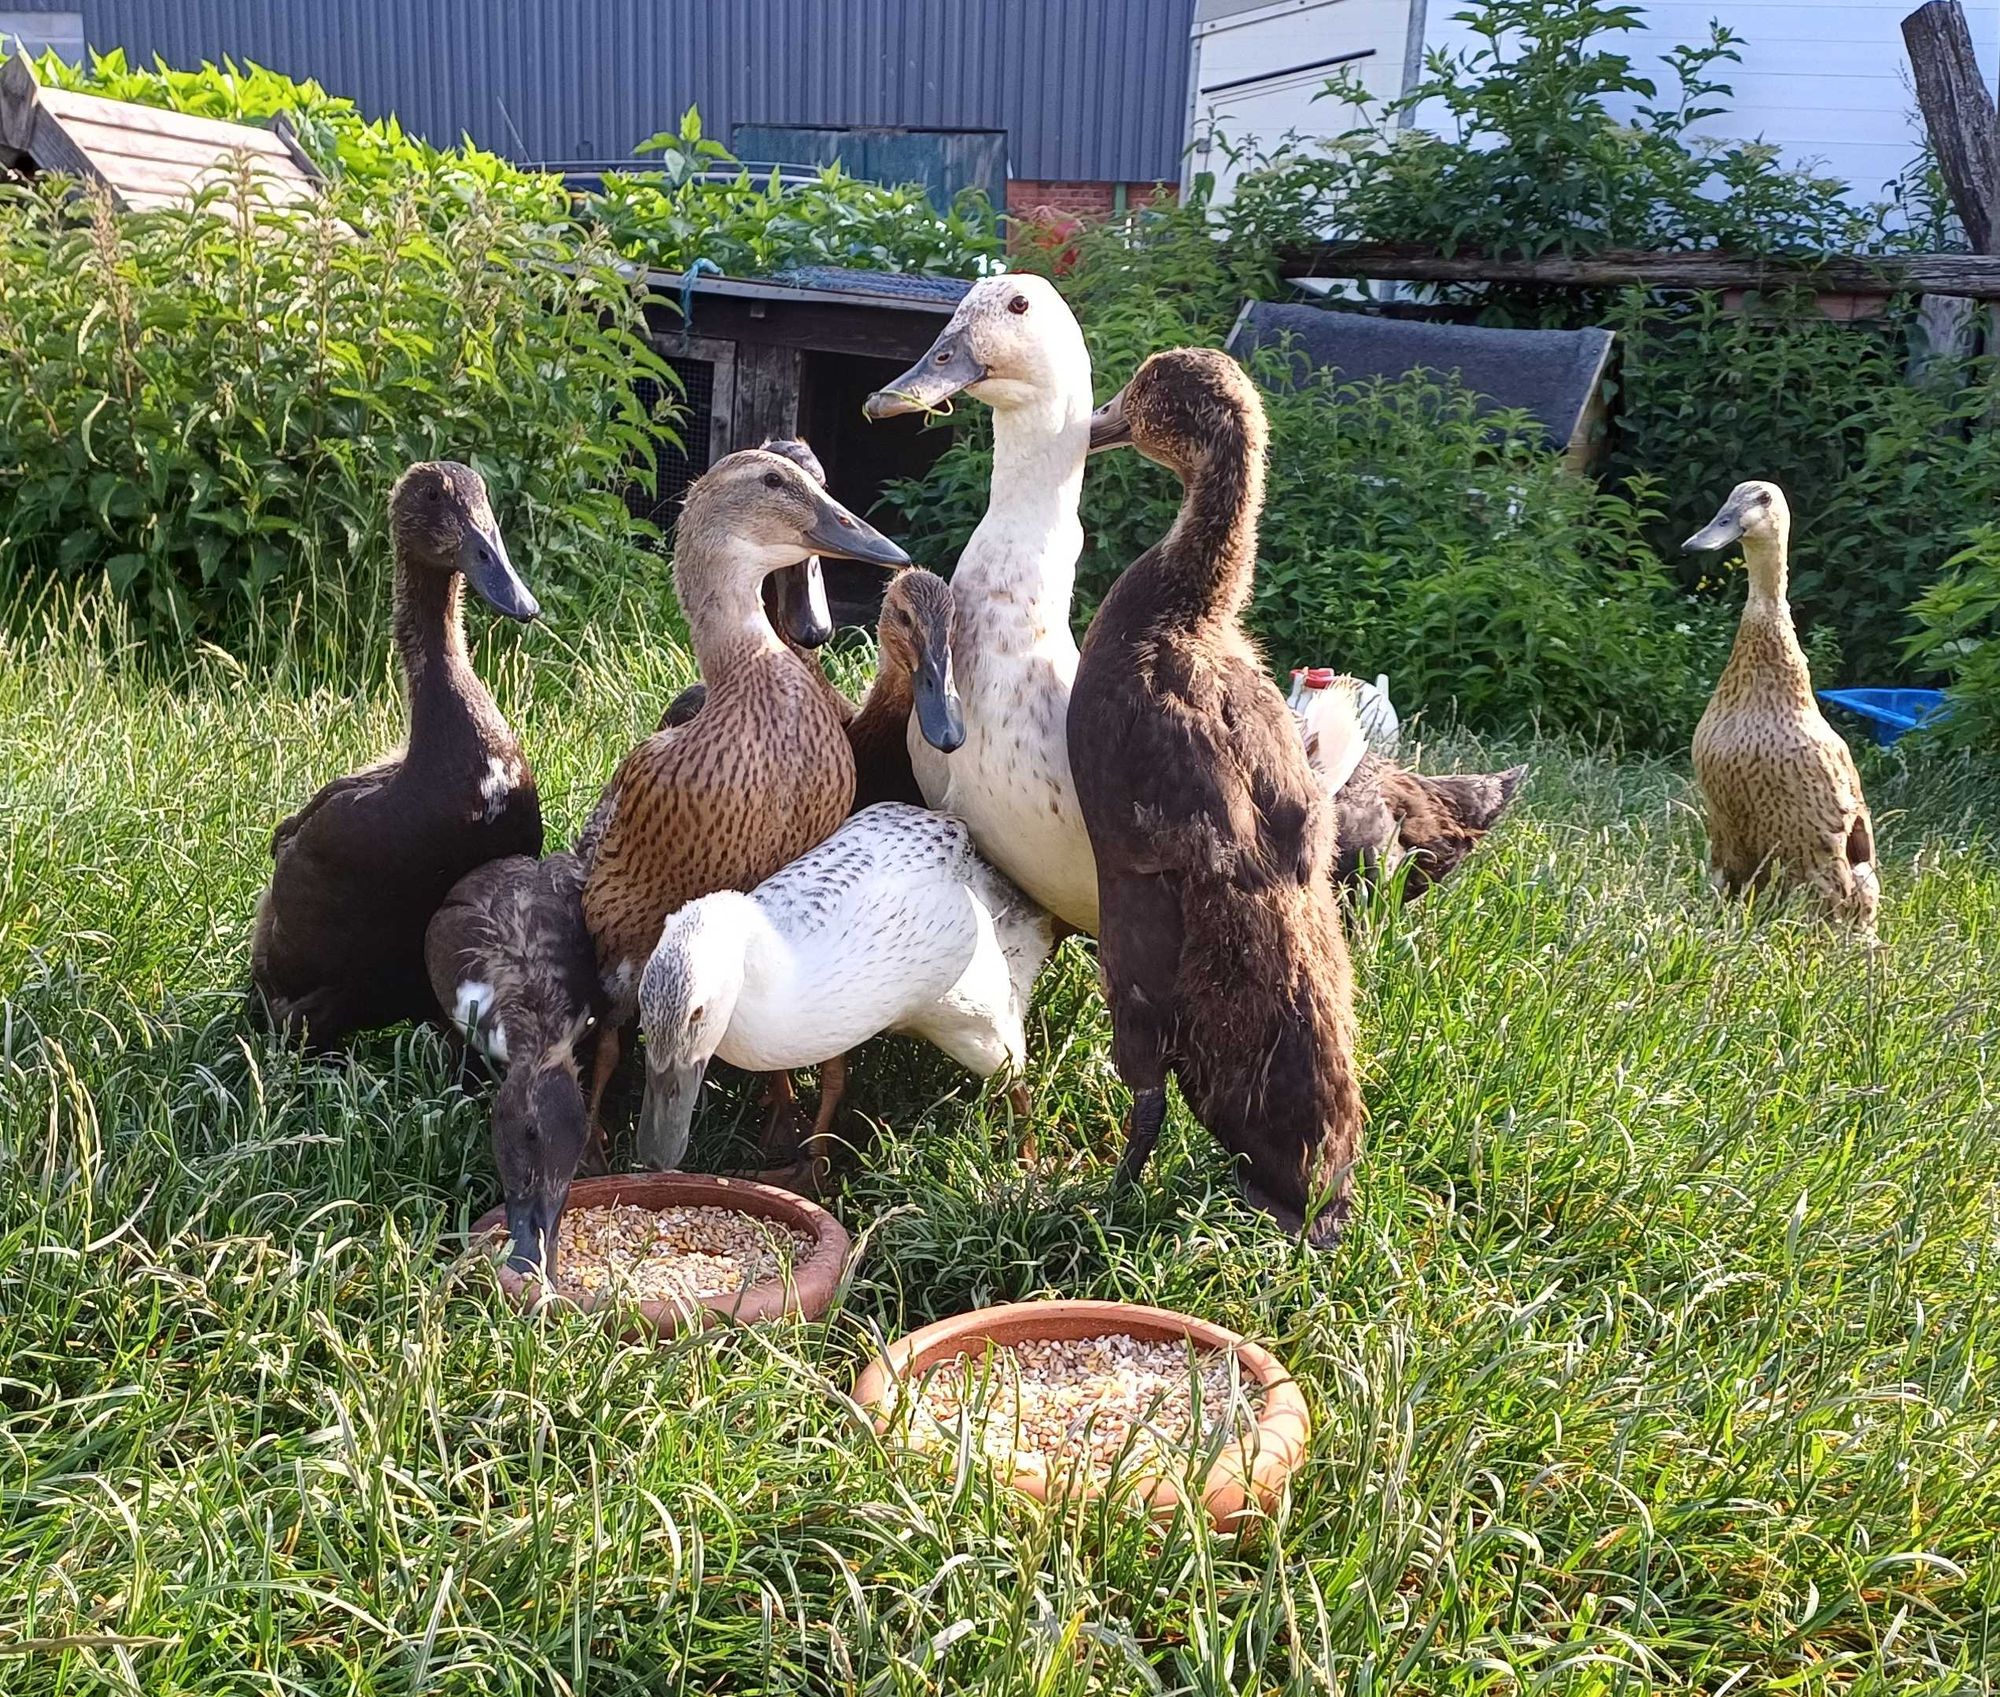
[(1661, 1353)]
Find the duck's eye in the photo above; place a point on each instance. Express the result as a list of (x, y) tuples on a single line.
[(773, 481), (1018, 304), (944, 356)]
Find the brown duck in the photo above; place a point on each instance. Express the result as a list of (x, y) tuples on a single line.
[(913, 678), (360, 869), (764, 771), (1220, 943), (1778, 784), (514, 972)]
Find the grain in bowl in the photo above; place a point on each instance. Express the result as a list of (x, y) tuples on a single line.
[(681, 1254), (1084, 1407)]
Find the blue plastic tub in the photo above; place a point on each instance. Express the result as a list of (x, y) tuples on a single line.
[(1889, 712)]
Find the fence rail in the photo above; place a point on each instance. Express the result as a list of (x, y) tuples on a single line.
[(1972, 275)]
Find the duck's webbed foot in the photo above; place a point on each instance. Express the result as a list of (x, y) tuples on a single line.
[(1142, 1131)]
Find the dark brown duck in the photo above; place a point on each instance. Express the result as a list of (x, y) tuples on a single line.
[(1220, 943), (514, 973), (360, 869)]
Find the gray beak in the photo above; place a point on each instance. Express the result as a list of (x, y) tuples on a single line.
[(531, 1223), (937, 711), (666, 1116), (802, 613), (1726, 527), (1108, 425), (482, 557), (949, 367), (838, 533)]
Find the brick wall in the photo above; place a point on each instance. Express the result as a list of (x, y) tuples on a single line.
[(1027, 196)]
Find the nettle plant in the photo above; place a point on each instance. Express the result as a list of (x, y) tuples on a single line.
[(205, 409)]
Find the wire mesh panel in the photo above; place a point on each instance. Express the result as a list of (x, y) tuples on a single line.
[(675, 466)]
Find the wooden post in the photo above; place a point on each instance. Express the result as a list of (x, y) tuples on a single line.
[(1965, 133)]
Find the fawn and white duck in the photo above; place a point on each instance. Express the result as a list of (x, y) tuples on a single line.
[(1014, 344)]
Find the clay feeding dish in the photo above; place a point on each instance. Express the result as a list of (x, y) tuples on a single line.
[(805, 1291), (1247, 1471)]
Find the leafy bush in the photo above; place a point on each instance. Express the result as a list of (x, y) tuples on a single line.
[(208, 410), (1535, 161), (1958, 636), (665, 218)]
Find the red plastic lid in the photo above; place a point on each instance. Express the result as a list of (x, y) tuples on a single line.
[(1317, 677)]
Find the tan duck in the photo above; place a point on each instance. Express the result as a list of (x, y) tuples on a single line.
[(1219, 941), (913, 688), (515, 974), (360, 869), (1778, 784), (764, 771)]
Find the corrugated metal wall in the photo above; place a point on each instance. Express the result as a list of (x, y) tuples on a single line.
[(1086, 89)]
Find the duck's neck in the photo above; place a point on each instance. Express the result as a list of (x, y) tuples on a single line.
[(727, 623), (1023, 555), (885, 710), (1207, 562), (1767, 643), (447, 701)]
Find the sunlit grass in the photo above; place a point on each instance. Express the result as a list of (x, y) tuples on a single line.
[(1661, 1353)]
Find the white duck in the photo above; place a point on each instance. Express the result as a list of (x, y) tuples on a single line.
[(893, 924), (1014, 344)]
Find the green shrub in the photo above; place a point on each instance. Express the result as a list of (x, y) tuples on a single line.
[(207, 410), (1958, 637), (667, 217)]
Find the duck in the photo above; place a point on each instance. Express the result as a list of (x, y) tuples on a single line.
[(893, 924), (337, 946), (1220, 949), (1387, 814), (764, 771), (1778, 784), (1014, 345), (913, 684), (514, 974)]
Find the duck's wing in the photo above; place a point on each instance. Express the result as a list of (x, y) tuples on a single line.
[(341, 792), (1334, 736), (1439, 821)]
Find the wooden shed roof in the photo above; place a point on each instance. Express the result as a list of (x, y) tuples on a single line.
[(146, 156)]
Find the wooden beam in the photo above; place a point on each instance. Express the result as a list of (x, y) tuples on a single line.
[(1958, 112), (1974, 275)]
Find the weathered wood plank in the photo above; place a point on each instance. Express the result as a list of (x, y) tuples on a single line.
[(1970, 274), (1958, 112), (767, 393), (155, 120), (118, 140)]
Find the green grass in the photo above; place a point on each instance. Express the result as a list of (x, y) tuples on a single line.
[(1661, 1354)]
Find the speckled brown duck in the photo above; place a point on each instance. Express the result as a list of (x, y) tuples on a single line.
[(764, 771), (1220, 943), (360, 869), (1778, 784), (514, 973)]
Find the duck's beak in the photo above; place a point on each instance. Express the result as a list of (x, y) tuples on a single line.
[(1726, 527), (949, 367), (666, 1116), (1108, 425), (938, 715), (531, 1223), (803, 614), (482, 557), (837, 532)]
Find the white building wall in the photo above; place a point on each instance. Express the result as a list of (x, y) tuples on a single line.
[(1827, 83)]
